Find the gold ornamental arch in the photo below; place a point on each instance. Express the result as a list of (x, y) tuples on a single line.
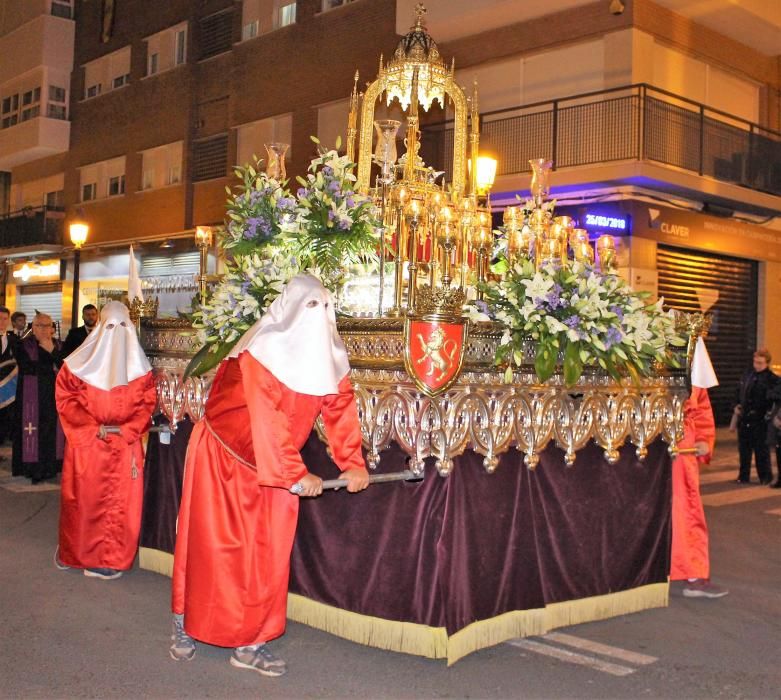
[(416, 76)]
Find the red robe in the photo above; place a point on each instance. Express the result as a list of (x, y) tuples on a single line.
[(689, 558), (237, 518), (102, 481)]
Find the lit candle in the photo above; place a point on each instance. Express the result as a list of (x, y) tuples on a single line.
[(606, 249)]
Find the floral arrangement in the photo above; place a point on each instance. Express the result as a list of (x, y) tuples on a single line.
[(334, 225), (257, 211), (582, 316), (270, 235)]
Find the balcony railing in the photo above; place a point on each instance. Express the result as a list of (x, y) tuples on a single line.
[(631, 123), (32, 226)]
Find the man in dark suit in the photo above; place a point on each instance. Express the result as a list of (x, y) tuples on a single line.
[(76, 336), (18, 323), (8, 342)]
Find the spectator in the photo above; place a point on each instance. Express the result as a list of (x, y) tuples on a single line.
[(18, 323), (38, 437), (753, 409), (7, 375), (76, 336)]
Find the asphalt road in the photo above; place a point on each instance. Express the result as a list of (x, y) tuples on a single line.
[(63, 635)]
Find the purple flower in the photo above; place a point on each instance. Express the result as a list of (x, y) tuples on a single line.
[(331, 214), (618, 311), (572, 321), (350, 201), (328, 171), (613, 336), (285, 203), (301, 192), (245, 285), (333, 186)]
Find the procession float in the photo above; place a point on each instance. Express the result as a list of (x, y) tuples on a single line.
[(534, 398)]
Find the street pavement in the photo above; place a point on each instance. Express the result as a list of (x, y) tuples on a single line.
[(63, 635)]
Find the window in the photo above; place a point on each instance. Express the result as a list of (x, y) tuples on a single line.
[(103, 179), (89, 191), (62, 8), (262, 16), (55, 200), (57, 107), (46, 191), (161, 166), (116, 185), (252, 137), (216, 34), (56, 94), (166, 49), (31, 104), (107, 73), (180, 56), (10, 111), (331, 4), (250, 31), (286, 14)]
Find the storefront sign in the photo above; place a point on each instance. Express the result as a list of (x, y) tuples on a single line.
[(46, 271), (694, 230)]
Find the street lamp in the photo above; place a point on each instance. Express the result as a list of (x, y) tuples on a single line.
[(203, 241), (78, 233)]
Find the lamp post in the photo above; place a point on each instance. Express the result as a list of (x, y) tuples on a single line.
[(203, 241), (78, 234)]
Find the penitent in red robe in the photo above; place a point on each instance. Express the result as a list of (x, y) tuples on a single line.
[(689, 558), (102, 481), (237, 518)]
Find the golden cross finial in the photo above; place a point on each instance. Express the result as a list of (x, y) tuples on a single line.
[(420, 11)]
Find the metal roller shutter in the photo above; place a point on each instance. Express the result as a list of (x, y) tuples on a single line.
[(733, 334), (46, 298)]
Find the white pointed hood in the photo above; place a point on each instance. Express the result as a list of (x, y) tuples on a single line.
[(297, 340), (111, 355), (703, 375)]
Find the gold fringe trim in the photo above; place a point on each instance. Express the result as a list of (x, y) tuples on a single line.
[(528, 623), (434, 643), (408, 637), (156, 560)]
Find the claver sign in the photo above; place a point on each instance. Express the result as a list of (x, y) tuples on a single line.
[(46, 271)]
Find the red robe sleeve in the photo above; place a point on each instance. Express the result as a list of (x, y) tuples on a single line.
[(79, 426), (699, 415), (342, 427), (144, 399), (277, 460)]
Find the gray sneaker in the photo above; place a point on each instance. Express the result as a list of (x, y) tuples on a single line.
[(703, 588), (182, 644), (258, 657)]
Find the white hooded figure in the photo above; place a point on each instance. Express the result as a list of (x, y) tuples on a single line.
[(106, 382), (111, 355), (237, 514), (297, 339)]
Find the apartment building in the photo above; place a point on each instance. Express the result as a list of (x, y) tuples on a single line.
[(662, 118), (164, 98)]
